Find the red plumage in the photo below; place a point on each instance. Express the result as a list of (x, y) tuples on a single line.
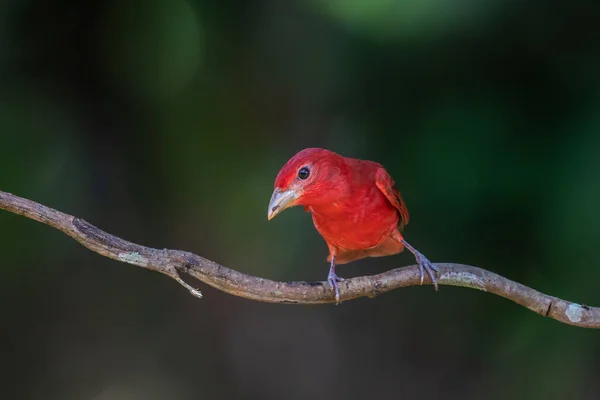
[(354, 203)]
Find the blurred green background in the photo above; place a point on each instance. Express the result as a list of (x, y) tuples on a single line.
[(166, 121)]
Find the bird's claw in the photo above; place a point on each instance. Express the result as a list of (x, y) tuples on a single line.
[(426, 265), (333, 280)]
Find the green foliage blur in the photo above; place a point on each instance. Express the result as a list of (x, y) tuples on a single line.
[(165, 122)]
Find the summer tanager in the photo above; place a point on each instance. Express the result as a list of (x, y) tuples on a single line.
[(354, 204)]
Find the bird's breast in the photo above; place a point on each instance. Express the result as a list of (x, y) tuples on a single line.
[(356, 225)]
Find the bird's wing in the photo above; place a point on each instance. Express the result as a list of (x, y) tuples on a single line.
[(385, 183)]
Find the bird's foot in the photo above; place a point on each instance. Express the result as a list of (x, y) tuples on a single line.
[(426, 265), (333, 280)]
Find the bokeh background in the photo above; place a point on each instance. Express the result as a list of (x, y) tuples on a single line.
[(166, 121)]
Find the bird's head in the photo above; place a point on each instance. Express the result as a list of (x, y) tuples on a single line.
[(311, 177)]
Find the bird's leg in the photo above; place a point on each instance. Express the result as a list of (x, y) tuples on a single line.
[(333, 279), (424, 264)]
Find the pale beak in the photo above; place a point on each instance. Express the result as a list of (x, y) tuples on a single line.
[(280, 200)]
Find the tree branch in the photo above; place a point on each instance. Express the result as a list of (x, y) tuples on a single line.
[(171, 262)]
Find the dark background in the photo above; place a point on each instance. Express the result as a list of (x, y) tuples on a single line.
[(165, 122)]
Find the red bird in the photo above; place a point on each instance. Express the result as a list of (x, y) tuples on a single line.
[(354, 204)]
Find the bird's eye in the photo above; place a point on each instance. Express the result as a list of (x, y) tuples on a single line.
[(303, 173)]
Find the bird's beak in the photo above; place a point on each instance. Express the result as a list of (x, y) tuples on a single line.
[(280, 200)]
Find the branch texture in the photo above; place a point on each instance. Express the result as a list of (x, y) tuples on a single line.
[(172, 262)]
